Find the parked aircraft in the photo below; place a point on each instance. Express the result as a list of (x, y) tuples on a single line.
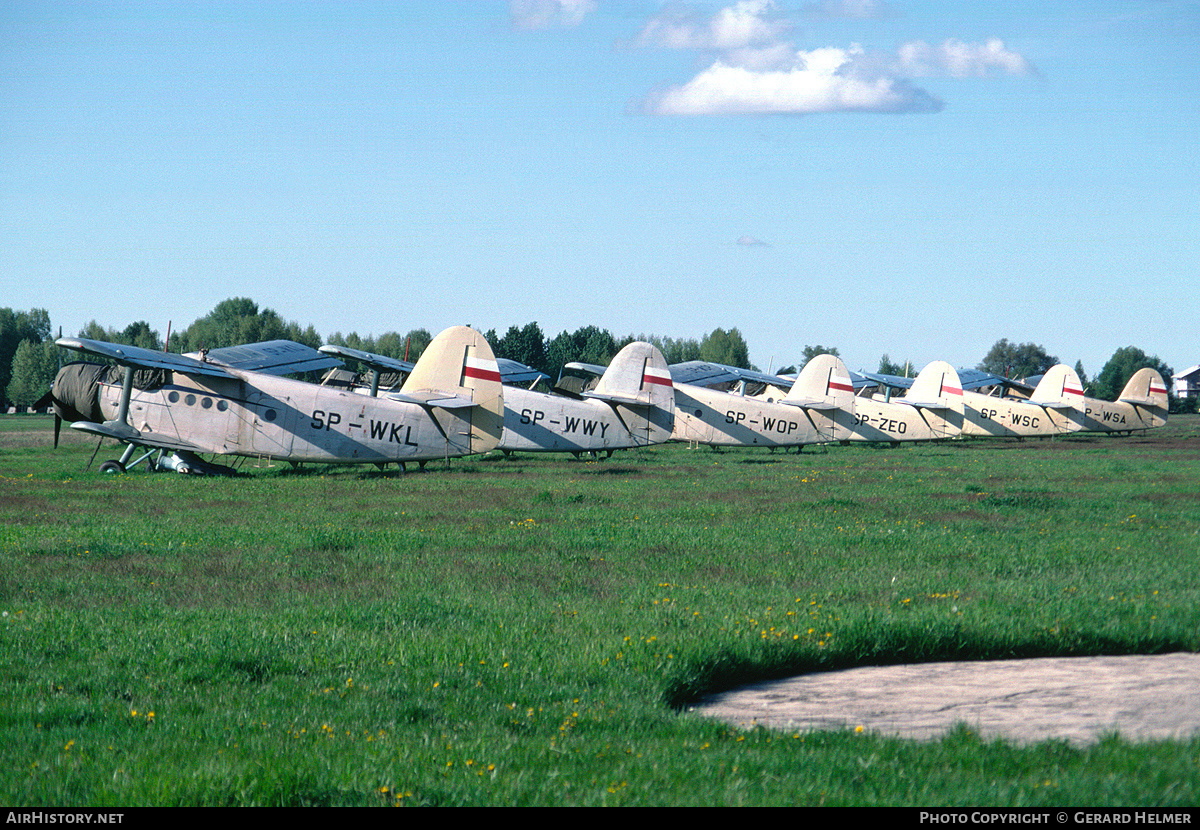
[(232, 401), (783, 413), (631, 405), (820, 407), (806, 414), (1141, 406), (1054, 408), (932, 408)]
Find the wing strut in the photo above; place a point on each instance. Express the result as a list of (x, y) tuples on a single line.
[(120, 425)]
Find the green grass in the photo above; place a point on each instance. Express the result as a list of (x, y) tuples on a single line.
[(530, 631)]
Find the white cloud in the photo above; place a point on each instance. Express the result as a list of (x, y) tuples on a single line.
[(751, 242), (544, 14), (960, 59), (823, 80), (758, 72), (743, 24)]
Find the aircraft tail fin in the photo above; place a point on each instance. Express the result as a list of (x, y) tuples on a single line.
[(458, 365), (938, 393), (638, 383), (824, 383), (1146, 388), (1059, 388), (823, 389), (936, 384)]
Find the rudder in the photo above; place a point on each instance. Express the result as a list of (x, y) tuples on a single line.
[(638, 383), (460, 362)]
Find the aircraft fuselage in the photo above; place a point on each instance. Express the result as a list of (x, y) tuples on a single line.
[(538, 422), (875, 420), (716, 418), (263, 415), (1118, 416), (995, 417)]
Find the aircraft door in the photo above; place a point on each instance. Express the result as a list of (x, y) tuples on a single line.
[(273, 422)]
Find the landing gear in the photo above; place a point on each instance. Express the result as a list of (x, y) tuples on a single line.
[(112, 467)]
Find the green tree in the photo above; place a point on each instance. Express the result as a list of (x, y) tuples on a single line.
[(140, 334), (1125, 361), (725, 347), (1017, 361), (887, 367), (525, 345), (1083, 378), (237, 321), (675, 350), (17, 327), (809, 352), (33, 369)]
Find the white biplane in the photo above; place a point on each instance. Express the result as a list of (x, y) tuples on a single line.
[(630, 405), (820, 406), (234, 401)]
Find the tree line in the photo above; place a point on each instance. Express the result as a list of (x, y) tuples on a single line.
[(29, 359)]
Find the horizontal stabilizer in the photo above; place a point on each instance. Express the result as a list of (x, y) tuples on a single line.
[(935, 404), (432, 398), (627, 400), (810, 403)]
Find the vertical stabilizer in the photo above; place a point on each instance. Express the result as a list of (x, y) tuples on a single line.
[(1146, 388), (638, 384), (1060, 385), (1148, 394), (938, 393), (459, 362), (824, 390), (1060, 392)]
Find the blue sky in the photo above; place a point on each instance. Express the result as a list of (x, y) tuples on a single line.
[(918, 179)]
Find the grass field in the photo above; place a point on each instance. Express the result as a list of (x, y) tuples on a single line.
[(529, 631)]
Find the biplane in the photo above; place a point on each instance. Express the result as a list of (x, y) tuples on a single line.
[(628, 404), (237, 401)]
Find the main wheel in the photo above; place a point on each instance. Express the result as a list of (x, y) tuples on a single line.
[(112, 467)]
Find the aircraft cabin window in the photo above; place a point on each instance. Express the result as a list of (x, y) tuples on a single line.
[(173, 397), (222, 406), (269, 415), (190, 400), (206, 403)]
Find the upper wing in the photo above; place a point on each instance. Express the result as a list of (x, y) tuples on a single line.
[(137, 356), (376, 361), (587, 368), (273, 357), (703, 373), (977, 378), (894, 381), (391, 364), (518, 374), (970, 379)]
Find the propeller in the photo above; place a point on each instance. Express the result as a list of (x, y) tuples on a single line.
[(49, 400)]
